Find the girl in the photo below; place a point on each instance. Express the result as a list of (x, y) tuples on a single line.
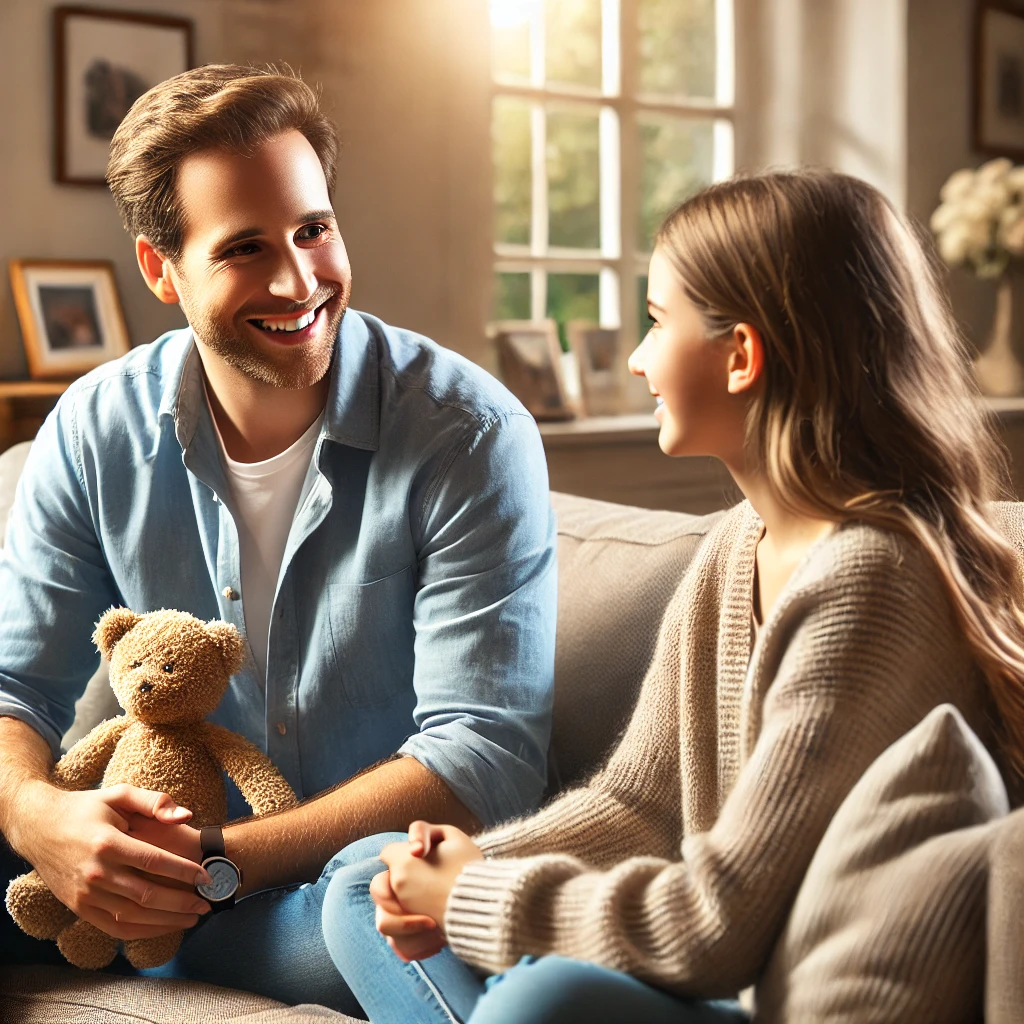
[(799, 335)]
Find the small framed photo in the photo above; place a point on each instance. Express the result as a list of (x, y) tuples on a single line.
[(998, 115), (597, 353), (70, 315), (530, 360), (103, 62)]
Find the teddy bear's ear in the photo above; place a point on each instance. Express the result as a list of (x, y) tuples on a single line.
[(229, 641), (111, 629)]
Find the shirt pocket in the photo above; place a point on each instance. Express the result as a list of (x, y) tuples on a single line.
[(373, 636)]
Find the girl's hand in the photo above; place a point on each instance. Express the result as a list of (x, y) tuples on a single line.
[(422, 880), (410, 936)]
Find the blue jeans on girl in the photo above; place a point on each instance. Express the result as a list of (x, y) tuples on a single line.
[(444, 990)]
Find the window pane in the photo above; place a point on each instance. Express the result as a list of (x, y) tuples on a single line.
[(572, 297), (574, 209), (512, 182), (677, 47), (511, 296), (676, 160), (643, 323), (510, 38), (572, 41)]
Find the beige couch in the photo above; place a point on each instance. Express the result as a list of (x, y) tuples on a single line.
[(618, 566)]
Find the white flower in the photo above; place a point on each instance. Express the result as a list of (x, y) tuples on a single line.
[(1015, 179), (1012, 234), (958, 185), (994, 170), (944, 216), (955, 243), (994, 196)]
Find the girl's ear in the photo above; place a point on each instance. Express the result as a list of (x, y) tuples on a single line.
[(111, 629), (746, 358)]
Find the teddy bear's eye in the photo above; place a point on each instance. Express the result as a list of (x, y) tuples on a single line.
[(136, 664), (169, 667)]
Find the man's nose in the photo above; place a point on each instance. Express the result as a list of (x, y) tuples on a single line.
[(294, 277)]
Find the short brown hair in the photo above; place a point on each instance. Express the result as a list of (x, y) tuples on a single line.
[(219, 106)]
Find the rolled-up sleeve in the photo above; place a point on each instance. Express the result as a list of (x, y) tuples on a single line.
[(485, 621), (54, 584)]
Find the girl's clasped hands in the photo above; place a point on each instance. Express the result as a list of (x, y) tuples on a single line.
[(412, 894)]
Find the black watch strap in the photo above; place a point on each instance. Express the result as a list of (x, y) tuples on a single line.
[(211, 841)]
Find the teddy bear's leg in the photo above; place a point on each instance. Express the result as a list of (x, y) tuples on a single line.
[(84, 945), (35, 909), (152, 952)]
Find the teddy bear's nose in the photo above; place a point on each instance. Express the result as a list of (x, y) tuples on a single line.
[(145, 688)]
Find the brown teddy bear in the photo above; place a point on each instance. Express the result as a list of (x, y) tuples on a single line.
[(169, 671)]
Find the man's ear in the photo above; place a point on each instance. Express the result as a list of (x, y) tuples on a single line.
[(746, 358), (155, 271), (229, 641), (111, 629)]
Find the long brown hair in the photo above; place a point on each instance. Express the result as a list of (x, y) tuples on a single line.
[(869, 409)]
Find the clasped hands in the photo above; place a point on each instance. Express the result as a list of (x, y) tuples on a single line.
[(412, 894)]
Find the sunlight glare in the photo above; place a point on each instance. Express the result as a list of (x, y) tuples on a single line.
[(508, 13)]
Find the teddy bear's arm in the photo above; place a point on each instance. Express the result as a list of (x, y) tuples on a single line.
[(82, 767), (262, 785)]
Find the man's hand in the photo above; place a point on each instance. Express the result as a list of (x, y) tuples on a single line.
[(82, 847), (412, 894)]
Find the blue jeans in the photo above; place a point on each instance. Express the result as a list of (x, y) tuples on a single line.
[(270, 943), (444, 990)]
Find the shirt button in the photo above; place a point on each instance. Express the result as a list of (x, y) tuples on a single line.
[(230, 593), (282, 728)]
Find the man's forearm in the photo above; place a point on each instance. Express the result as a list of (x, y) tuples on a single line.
[(25, 760), (294, 845)]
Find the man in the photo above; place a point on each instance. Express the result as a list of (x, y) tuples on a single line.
[(368, 509)]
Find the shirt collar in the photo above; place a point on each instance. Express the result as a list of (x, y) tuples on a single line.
[(352, 413)]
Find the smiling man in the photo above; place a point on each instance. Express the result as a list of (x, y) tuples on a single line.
[(369, 509)]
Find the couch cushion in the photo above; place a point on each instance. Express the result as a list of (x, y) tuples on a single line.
[(12, 462), (889, 924), (64, 995), (618, 566)]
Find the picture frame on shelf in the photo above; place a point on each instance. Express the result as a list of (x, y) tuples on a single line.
[(530, 363), (70, 315), (103, 61), (597, 353), (998, 80)]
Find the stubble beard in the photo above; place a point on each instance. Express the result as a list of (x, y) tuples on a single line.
[(294, 368)]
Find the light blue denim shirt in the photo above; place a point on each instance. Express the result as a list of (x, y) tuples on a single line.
[(415, 609)]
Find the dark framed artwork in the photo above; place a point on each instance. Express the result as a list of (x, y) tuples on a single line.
[(104, 61), (998, 108), (530, 360), (70, 315)]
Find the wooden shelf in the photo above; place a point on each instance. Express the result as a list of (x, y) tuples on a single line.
[(32, 388)]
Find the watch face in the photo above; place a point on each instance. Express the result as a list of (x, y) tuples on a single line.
[(225, 879)]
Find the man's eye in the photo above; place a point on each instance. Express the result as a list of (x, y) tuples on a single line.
[(311, 232), (246, 249)]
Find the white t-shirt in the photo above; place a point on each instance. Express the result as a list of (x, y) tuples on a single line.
[(265, 496)]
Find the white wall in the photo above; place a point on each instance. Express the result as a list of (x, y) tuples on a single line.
[(823, 82)]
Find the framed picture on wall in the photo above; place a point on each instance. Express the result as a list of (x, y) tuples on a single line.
[(999, 80), (70, 315), (597, 352), (530, 361), (103, 62)]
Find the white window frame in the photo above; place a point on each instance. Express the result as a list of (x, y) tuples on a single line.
[(621, 105)]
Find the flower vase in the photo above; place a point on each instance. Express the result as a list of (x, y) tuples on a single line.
[(998, 372)]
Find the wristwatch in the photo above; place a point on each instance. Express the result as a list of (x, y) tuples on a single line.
[(225, 874)]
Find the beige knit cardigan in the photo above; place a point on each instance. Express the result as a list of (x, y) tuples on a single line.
[(678, 861)]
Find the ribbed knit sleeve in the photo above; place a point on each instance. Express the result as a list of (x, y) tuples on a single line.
[(860, 646), (633, 804)]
